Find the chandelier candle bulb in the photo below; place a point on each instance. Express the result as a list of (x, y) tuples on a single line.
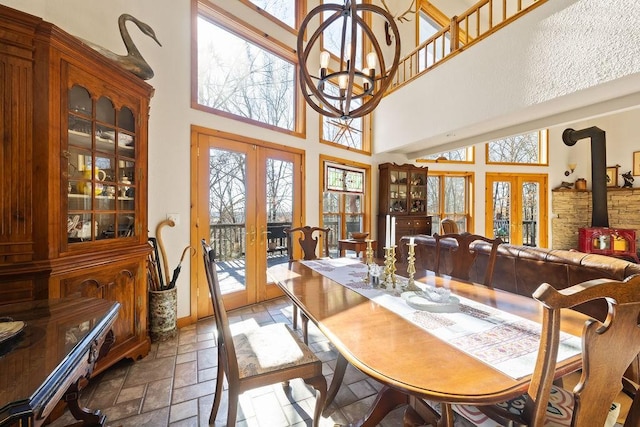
[(324, 60), (372, 60)]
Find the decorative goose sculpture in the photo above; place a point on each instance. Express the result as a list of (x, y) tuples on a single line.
[(133, 61)]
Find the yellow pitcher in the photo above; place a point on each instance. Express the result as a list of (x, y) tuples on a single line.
[(85, 187)]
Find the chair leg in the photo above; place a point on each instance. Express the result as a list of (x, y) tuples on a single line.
[(217, 394), (320, 384), (232, 413), (305, 329), (295, 317)]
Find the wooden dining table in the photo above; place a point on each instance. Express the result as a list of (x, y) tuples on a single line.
[(409, 361)]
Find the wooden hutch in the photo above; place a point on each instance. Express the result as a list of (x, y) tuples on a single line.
[(73, 176), (403, 195)]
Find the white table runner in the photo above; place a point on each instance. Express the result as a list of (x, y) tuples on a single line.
[(504, 341)]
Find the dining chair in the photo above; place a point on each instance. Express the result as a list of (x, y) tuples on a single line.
[(309, 244), (591, 403), (463, 256), (449, 226), (252, 356)]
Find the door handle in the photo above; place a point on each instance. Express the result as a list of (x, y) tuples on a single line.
[(263, 233), (252, 235)]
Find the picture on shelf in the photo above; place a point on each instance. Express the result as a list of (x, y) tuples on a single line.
[(612, 176), (636, 163)]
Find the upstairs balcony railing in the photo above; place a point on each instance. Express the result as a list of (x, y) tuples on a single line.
[(477, 23)]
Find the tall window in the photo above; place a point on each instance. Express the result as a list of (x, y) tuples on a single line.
[(449, 196), (282, 10), (527, 149), (244, 75), (332, 36), (461, 155), (352, 133), (430, 22), (344, 207)]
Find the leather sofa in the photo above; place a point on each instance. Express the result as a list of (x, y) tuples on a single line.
[(521, 269)]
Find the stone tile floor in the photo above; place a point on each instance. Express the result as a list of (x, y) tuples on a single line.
[(174, 384)]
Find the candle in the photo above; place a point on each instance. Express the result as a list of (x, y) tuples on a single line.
[(411, 240), (387, 240), (393, 231)]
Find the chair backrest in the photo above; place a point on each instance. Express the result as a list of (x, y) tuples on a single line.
[(226, 348), (449, 226), (607, 348), (463, 256), (308, 242)]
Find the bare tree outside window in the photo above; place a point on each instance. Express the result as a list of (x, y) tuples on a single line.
[(459, 155), (283, 10), (241, 78), (523, 148), (279, 190), (227, 191)]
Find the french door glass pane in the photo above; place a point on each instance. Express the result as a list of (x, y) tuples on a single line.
[(502, 210), (530, 213), (279, 207), (227, 207)]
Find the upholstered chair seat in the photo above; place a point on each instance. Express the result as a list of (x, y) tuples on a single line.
[(559, 410)]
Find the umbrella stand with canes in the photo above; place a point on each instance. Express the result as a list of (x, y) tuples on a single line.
[(163, 302), (176, 271)]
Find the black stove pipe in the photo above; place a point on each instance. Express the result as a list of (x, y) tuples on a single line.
[(599, 214)]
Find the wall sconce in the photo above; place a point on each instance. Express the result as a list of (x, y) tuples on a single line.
[(572, 167)]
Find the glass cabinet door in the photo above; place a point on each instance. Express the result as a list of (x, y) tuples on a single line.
[(101, 152), (398, 190), (418, 192)]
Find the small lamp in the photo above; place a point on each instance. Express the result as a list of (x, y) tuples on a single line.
[(572, 167)]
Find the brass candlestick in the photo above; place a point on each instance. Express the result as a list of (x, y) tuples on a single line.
[(411, 268), (369, 252), (368, 259), (390, 267)]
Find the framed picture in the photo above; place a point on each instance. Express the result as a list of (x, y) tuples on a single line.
[(612, 176), (636, 163)]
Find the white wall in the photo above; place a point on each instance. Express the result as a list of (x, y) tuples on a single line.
[(563, 61)]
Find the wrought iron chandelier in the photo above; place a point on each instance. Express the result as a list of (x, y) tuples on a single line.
[(336, 93)]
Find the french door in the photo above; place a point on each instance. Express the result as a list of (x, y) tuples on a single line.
[(242, 188), (516, 208)]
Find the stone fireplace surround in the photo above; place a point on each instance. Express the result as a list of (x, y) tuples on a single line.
[(572, 210)]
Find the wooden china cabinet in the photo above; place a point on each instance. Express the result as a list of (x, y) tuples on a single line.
[(73, 176), (403, 195)]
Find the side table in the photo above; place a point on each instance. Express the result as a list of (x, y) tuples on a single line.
[(59, 346), (354, 245)]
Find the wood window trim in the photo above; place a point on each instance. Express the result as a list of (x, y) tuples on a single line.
[(469, 195), (439, 17), (300, 13), (543, 152), (366, 206), (240, 28), (471, 151)]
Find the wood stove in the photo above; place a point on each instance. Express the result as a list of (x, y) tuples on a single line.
[(616, 242)]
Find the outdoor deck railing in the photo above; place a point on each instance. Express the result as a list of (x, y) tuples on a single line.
[(529, 231), (478, 22), (228, 240)]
